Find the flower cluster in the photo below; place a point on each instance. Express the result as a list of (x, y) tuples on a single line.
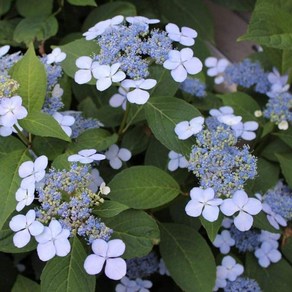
[(66, 202), (218, 162), (248, 74), (127, 49)]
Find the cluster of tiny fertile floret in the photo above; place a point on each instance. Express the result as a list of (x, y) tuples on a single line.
[(280, 200), (52, 103), (65, 196), (245, 241), (8, 86), (194, 87), (242, 284), (82, 124), (143, 266), (279, 108), (248, 74), (8, 61), (218, 163), (133, 47)]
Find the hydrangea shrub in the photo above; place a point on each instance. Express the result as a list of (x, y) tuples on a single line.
[(127, 164)]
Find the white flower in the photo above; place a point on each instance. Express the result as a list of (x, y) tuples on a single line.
[(224, 241), (258, 114), (11, 110), (283, 125), (181, 63), (229, 270), (139, 95), (119, 99), (143, 285), (162, 269), (186, 129), (116, 155), (108, 253), (32, 172), (141, 20), (86, 156), (246, 207), (245, 130), (24, 197), (126, 285), (203, 202), (86, 65), (266, 254), (57, 91), (65, 122), (4, 50), (216, 68), (176, 161), (56, 56), (103, 26), (104, 189), (274, 219), (106, 74), (271, 238), (278, 83), (95, 179), (185, 37), (225, 115), (53, 241), (227, 222), (25, 226)]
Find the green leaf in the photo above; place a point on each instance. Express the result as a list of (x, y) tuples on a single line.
[(9, 144), (187, 257), (109, 209), (136, 139), (261, 222), (239, 5), (6, 31), (179, 215), (75, 50), (44, 125), (51, 147), (82, 2), (61, 162), (163, 114), (287, 248), (30, 73), (31, 8), (98, 139), (137, 229), (285, 136), (35, 28), (10, 182), (143, 187), (267, 177), (286, 166), (67, 273), (108, 10), (277, 277), (212, 228), (5, 6), (271, 24), (273, 148), (165, 83), (157, 154), (191, 13), (24, 284), (243, 104)]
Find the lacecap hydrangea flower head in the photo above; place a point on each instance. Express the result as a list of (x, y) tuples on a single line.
[(65, 200), (128, 47)]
